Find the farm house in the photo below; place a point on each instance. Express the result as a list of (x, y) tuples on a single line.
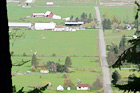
[(49, 3), (83, 87), (24, 25), (38, 15), (73, 23), (44, 26), (48, 14)]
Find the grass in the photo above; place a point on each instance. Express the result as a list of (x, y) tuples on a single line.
[(61, 43)]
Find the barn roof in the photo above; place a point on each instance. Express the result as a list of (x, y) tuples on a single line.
[(48, 13), (83, 85)]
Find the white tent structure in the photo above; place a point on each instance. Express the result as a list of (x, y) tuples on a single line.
[(45, 26), (56, 17)]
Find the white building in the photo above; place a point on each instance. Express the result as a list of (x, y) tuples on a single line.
[(68, 88), (56, 17), (45, 26), (49, 3), (66, 19), (83, 87), (28, 1), (25, 25), (44, 71), (60, 88)]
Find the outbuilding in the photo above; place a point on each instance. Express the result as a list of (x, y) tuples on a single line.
[(45, 26), (49, 3), (44, 71), (23, 25), (60, 88), (83, 87), (38, 15), (74, 23)]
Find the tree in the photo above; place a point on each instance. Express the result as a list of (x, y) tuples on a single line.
[(71, 18), (34, 60), (68, 82), (116, 19), (114, 26), (90, 16), (52, 66), (68, 61), (122, 44), (98, 83), (77, 19), (116, 77)]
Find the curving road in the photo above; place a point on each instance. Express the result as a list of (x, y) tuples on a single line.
[(102, 47)]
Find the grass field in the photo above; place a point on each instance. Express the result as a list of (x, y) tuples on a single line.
[(79, 43), (121, 12)]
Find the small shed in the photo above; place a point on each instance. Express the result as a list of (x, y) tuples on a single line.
[(68, 88), (48, 14), (44, 71), (83, 87), (49, 3), (60, 88)]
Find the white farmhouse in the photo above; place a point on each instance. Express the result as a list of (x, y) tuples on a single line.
[(45, 26), (44, 71), (60, 88), (83, 87)]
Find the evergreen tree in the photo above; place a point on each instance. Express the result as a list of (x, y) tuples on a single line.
[(77, 19), (90, 16), (68, 61), (122, 43), (116, 77), (34, 60)]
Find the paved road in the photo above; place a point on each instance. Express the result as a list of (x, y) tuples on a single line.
[(104, 64)]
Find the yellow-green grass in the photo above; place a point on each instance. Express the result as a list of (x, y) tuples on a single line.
[(80, 43)]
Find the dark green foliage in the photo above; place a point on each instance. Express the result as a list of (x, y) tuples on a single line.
[(68, 61), (116, 77), (122, 43), (77, 19), (106, 23), (34, 60)]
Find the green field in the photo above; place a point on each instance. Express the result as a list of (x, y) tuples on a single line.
[(121, 12), (80, 43)]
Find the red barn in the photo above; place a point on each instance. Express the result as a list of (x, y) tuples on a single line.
[(38, 15), (48, 14)]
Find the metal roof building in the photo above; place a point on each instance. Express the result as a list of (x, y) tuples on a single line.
[(73, 23), (26, 25), (45, 26)]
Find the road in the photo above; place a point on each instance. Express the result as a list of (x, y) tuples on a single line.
[(102, 47)]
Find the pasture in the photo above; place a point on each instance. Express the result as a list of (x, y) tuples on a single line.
[(80, 43)]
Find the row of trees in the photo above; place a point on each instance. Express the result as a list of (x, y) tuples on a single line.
[(51, 65)]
